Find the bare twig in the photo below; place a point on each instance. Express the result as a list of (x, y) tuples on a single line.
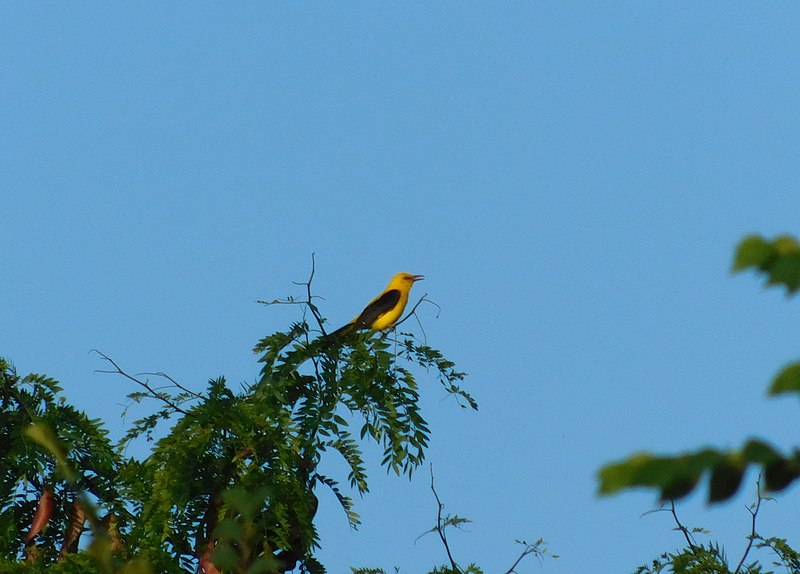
[(153, 392), (314, 311), (307, 303), (753, 510), (310, 300), (289, 300), (440, 527)]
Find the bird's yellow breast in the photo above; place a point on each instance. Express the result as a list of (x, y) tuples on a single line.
[(402, 282), (390, 317)]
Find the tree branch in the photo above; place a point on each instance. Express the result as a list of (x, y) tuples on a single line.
[(309, 302), (175, 383), (440, 527), (529, 549), (153, 393), (753, 510), (686, 534), (689, 539)]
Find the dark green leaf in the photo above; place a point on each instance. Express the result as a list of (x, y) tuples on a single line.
[(726, 477), (780, 473)]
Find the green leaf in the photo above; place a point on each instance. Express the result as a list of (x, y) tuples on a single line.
[(674, 477), (785, 245), (229, 530), (758, 452), (779, 259), (787, 381), (781, 473), (225, 557), (677, 476), (786, 271), (44, 435), (753, 251), (726, 478)]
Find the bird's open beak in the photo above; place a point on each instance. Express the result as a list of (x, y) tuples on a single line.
[(418, 278)]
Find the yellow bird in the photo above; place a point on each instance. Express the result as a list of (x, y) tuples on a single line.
[(385, 309)]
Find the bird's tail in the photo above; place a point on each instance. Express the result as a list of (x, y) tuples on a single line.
[(342, 331)]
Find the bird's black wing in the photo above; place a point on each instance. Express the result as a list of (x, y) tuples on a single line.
[(378, 307)]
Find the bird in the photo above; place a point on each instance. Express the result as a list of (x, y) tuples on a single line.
[(385, 309)]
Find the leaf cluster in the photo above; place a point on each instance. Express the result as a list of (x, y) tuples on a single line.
[(28, 469)]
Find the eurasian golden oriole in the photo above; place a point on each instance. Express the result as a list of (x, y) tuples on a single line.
[(385, 309)]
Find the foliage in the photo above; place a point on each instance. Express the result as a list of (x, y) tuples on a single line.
[(677, 476), (233, 485), (38, 495), (710, 557)]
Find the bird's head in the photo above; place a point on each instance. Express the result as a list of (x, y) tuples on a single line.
[(406, 279)]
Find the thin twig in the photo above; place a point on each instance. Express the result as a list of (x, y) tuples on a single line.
[(305, 303), (289, 300), (309, 302), (153, 393), (414, 308), (314, 311), (529, 549), (514, 565), (689, 538), (174, 383), (440, 528), (753, 513)]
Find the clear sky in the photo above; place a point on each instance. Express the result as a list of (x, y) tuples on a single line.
[(571, 178)]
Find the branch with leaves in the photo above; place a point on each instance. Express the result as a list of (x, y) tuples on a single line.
[(447, 521), (711, 557), (233, 486)]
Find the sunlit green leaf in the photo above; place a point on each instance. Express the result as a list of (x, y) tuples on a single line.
[(753, 251), (787, 381)]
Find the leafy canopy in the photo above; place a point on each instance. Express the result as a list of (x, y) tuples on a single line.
[(233, 485)]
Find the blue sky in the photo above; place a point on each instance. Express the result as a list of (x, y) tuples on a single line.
[(571, 179)]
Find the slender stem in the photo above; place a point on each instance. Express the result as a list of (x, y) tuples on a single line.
[(528, 550), (753, 514), (310, 301), (174, 383), (681, 527), (440, 528)]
